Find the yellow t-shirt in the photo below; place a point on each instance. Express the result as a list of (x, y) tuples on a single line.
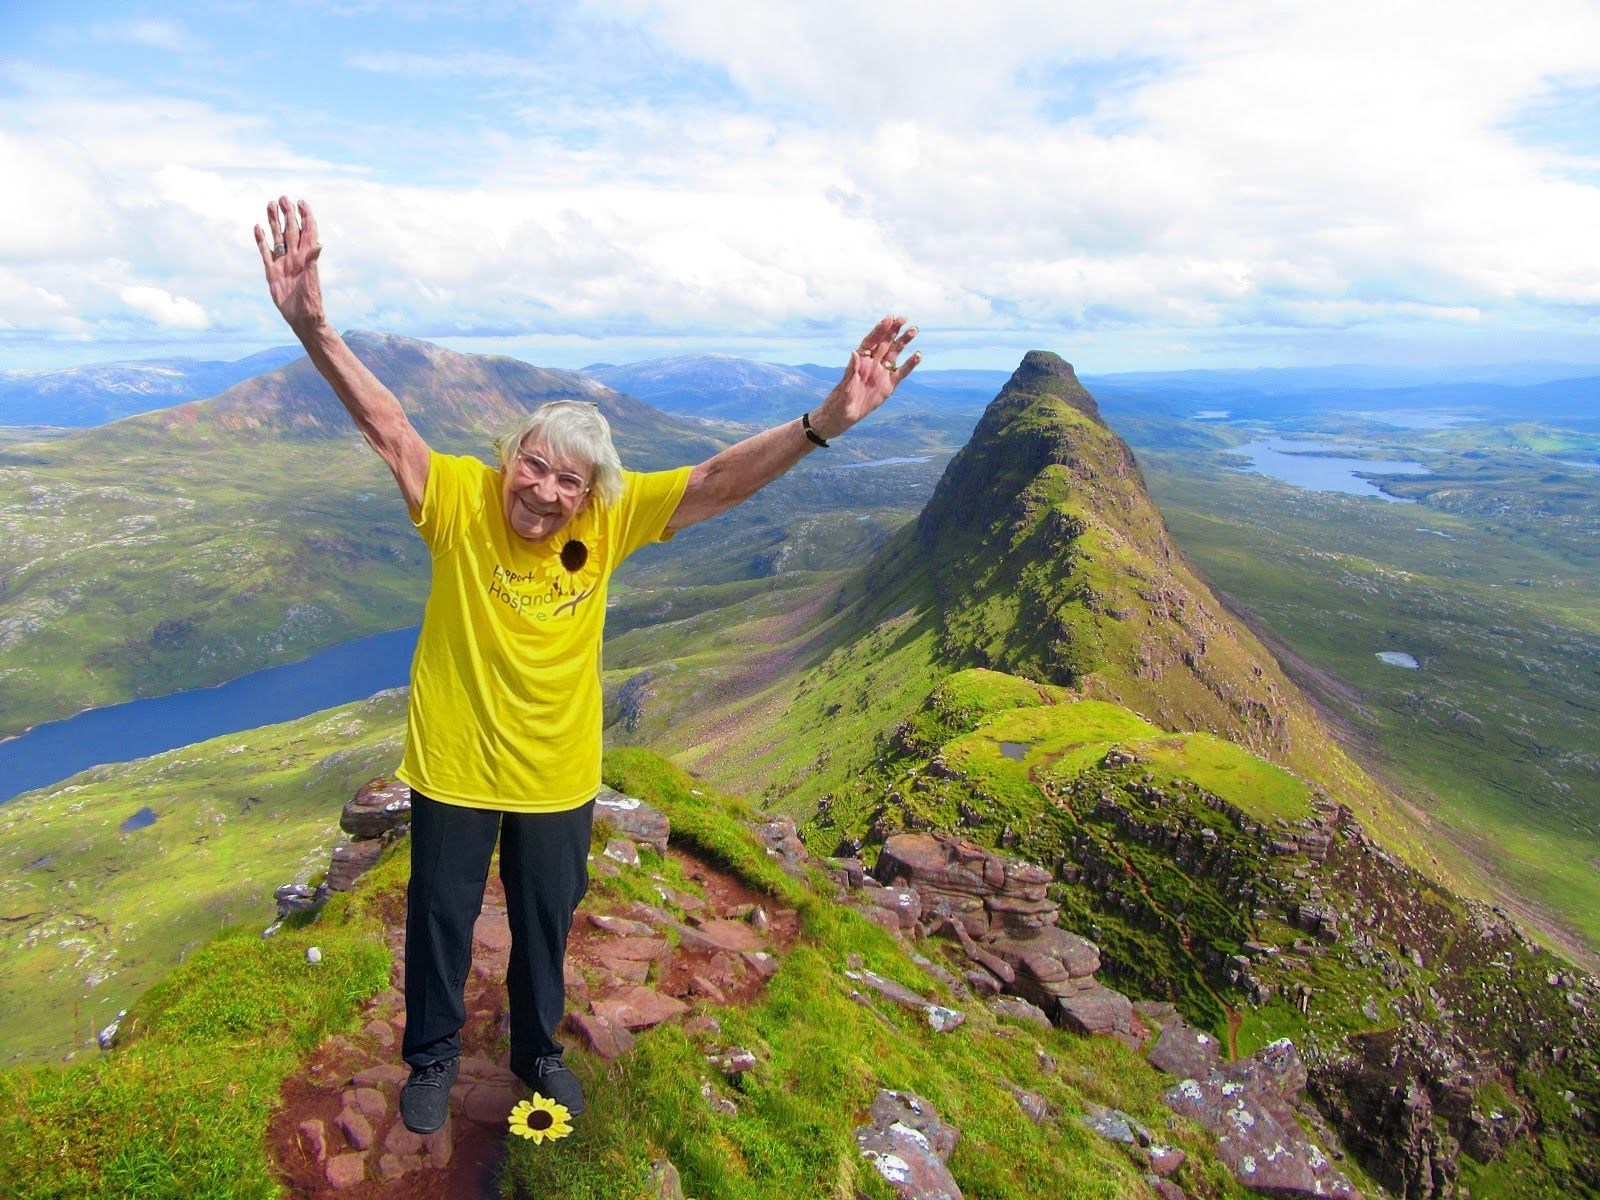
[(505, 707)]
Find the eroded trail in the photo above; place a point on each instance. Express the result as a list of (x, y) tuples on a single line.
[(337, 1130)]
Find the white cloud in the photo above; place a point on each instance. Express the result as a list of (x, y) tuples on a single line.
[(1251, 169), (165, 309)]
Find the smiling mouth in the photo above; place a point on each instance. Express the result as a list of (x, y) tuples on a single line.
[(538, 512)]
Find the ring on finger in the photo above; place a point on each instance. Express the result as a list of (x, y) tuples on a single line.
[(279, 249)]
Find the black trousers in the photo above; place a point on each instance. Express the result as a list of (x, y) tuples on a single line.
[(544, 867)]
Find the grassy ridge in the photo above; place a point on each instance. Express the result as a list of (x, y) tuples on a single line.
[(151, 1121)]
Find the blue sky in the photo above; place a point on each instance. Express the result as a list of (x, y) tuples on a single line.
[(1166, 185)]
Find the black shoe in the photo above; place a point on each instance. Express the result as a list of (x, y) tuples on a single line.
[(554, 1080), (425, 1099)]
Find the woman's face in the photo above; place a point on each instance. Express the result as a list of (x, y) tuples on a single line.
[(541, 492)]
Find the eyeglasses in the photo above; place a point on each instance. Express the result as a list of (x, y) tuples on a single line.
[(568, 485)]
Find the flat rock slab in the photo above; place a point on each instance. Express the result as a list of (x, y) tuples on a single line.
[(736, 936), (603, 1037), (637, 1007), (1185, 1051)]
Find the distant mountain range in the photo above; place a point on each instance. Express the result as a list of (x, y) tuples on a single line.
[(725, 388), (738, 389), (82, 396)]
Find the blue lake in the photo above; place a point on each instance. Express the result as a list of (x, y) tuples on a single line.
[(47, 754), (1322, 468)]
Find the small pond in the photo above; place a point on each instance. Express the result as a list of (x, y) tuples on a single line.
[(139, 820)]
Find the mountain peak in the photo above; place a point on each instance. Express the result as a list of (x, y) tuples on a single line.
[(1045, 373), (1049, 560)]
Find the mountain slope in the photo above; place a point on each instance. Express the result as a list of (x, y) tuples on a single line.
[(184, 547), (1039, 554)]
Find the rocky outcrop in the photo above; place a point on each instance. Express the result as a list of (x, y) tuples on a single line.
[(633, 819), (380, 809), (1251, 1105), (998, 911), (978, 889), (909, 1145)]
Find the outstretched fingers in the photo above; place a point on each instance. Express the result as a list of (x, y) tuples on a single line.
[(274, 223), (308, 226), (291, 227), (905, 368), (881, 335)]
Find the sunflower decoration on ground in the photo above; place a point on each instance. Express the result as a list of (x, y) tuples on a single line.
[(540, 1119)]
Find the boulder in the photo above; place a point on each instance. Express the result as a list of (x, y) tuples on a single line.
[(352, 860), (381, 808), (1097, 1010), (1250, 1106), (633, 818), (299, 897), (1186, 1052)]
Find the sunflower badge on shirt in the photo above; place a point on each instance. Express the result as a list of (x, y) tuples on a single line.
[(569, 566)]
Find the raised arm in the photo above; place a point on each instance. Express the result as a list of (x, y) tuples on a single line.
[(746, 467), (291, 263)]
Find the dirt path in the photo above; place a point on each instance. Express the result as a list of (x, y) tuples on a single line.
[(337, 1131)]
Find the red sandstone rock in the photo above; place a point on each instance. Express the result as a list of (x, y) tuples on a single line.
[(600, 1035), (380, 807), (638, 1007), (345, 1170), (314, 1137), (356, 1128)]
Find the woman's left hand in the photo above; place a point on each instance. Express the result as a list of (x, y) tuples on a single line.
[(870, 378)]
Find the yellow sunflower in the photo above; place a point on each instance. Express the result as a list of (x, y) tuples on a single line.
[(540, 1119)]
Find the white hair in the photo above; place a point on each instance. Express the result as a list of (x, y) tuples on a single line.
[(574, 430)]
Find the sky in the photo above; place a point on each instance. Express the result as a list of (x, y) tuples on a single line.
[(1147, 185)]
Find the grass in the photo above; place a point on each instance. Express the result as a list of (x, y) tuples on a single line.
[(94, 915), (822, 1060), (180, 1108), (179, 1111)]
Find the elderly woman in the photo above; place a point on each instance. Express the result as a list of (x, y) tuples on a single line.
[(503, 724)]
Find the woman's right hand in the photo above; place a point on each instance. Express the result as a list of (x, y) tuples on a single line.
[(292, 271)]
